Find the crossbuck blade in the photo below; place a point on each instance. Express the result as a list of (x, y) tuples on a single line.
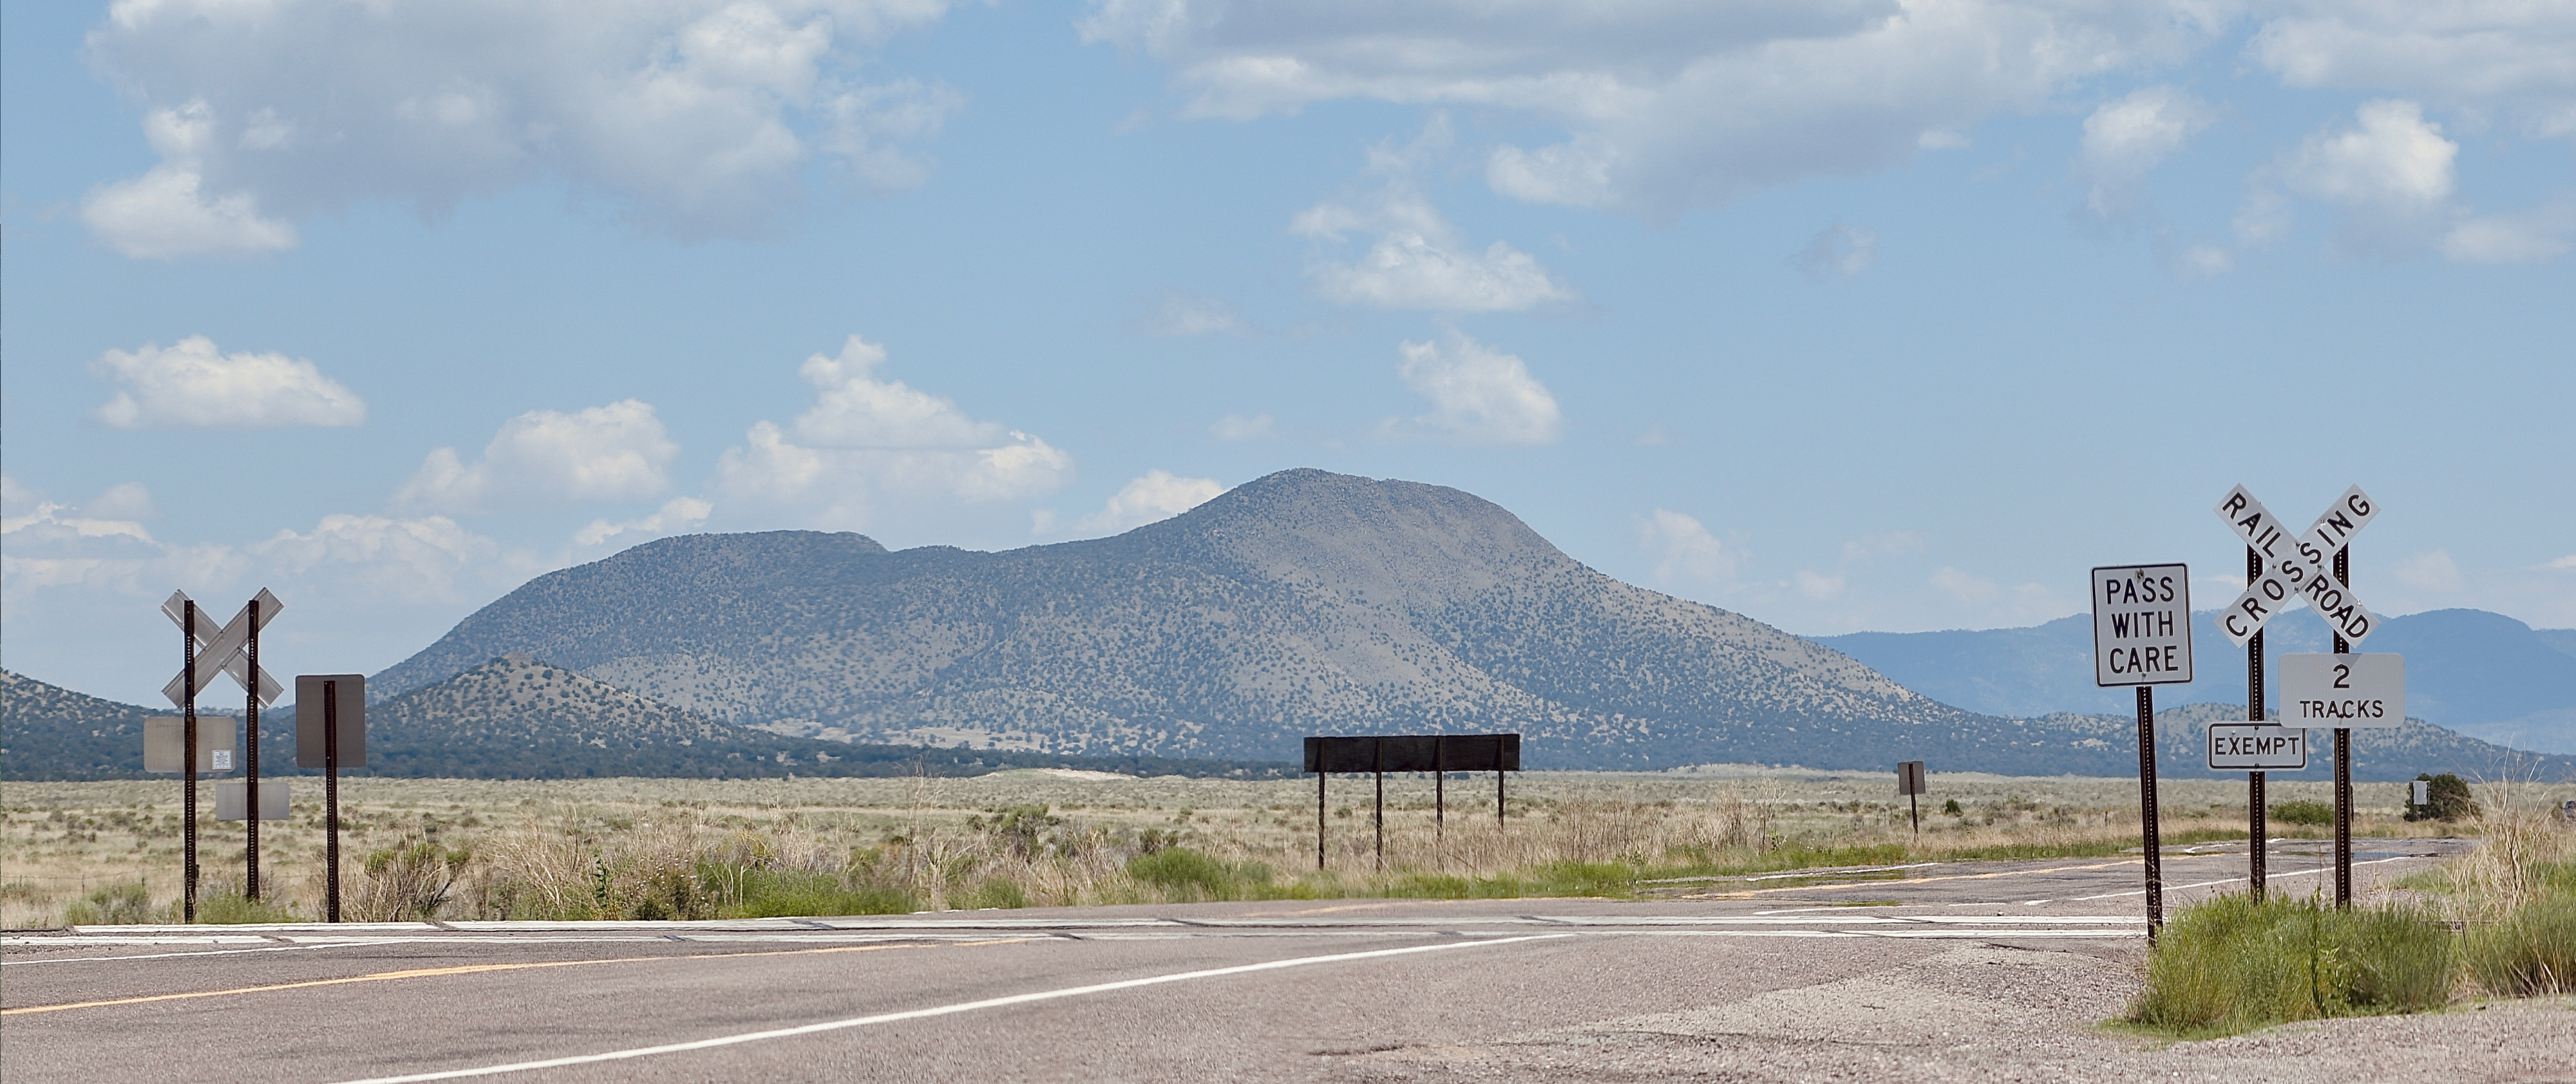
[(2298, 570), (223, 649)]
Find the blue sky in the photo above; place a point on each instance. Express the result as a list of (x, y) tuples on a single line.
[(1846, 316)]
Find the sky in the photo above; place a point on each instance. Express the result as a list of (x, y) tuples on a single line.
[(1842, 314)]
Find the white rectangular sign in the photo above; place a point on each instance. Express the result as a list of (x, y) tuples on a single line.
[(2257, 747), (229, 795), (2342, 691), (2142, 625), (165, 736)]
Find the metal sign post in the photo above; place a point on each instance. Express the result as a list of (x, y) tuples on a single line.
[(234, 650), (2345, 692), (1909, 782), (2142, 637), (2258, 834), (336, 740), (250, 761), (188, 676)]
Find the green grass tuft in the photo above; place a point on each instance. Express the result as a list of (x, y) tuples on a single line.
[(1194, 875), (2532, 951), (2302, 812), (2233, 964)]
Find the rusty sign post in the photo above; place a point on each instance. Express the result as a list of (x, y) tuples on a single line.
[(335, 740), (1909, 782), (206, 650), (2142, 637)]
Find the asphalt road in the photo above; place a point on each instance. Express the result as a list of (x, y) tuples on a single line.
[(1976, 970)]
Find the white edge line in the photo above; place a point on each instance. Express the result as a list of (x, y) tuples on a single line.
[(2233, 880), (209, 952), (941, 1010)]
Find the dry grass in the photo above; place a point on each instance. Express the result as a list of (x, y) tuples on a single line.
[(690, 848)]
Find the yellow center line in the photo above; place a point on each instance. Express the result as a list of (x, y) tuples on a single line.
[(470, 969)]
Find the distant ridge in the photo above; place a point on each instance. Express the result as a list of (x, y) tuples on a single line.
[(516, 717), (2481, 674)]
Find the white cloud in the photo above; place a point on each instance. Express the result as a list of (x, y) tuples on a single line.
[(1684, 551), (2562, 564), (2540, 233), (853, 409), (1841, 250), (1419, 260), (166, 213), (1155, 496), (1965, 587), (126, 501), (2508, 57), (1986, 603), (401, 560), (696, 116), (2433, 571), (2125, 139), (1820, 587), (193, 385), (1238, 427), (676, 514), (615, 452), (352, 559), (1179, 314), (1663, 106), (2391, 171), (1479, 395), (1884, 544), (869, 447)]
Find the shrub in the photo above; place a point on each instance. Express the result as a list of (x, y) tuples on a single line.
[(115, 905), (2234, 964), (1951, 807), (228, 907), (409, 882), (2302, 812), (2448, 799)]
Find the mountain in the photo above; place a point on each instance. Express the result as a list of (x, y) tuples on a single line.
[(2481, 674), (1300, 603), (50, 732), (2562, 639), (2378, 755), (515, 717)]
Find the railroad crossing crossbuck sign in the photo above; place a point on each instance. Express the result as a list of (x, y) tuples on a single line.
[(223, 649), (2297, 569)]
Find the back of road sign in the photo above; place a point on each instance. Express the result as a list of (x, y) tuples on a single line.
[(1909, 778), (164, 735), (2142, 625), (350, 708), (272, 799), (2353, 692)]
